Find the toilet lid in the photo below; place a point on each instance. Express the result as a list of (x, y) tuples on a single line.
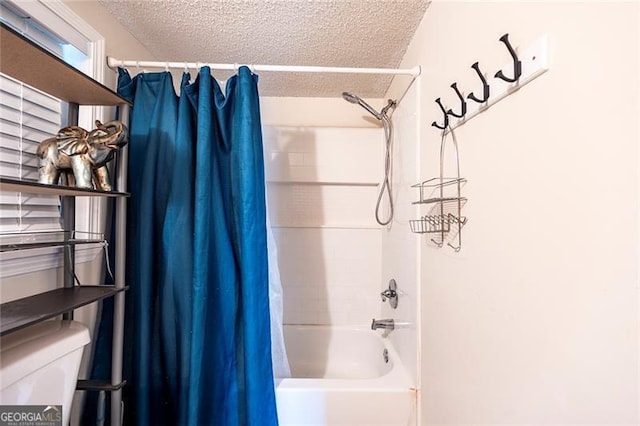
[(31, 348)]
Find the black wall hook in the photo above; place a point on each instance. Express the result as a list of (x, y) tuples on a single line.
[(463, 103), (485, 87), (446, 117), (517, 64)]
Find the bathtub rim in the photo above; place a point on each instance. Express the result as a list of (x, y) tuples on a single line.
[(396, 379)]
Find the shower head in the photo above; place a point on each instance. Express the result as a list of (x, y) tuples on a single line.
[(350, 97)]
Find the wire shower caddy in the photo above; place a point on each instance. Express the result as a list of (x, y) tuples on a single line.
[(443, 194)]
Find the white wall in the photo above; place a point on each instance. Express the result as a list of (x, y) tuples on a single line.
[(535, 321)]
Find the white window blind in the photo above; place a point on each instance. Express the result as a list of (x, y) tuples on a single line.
[(27, 117)]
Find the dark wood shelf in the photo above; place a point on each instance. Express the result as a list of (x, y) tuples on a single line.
[(98, 385), (17, 185), (26, 61), (21, 313)]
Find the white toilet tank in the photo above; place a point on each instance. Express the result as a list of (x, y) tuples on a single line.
[(39, 364)]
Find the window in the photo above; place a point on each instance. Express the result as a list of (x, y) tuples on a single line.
[(28, 116)]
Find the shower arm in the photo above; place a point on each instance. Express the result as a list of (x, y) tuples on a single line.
[(390, 104)]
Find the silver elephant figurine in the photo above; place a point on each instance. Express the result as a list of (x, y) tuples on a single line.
[(84, 153)]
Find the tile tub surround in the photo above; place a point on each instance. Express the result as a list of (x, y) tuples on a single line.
[(322, 189), (329, 276)]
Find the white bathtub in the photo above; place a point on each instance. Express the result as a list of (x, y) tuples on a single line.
[(340, 377)]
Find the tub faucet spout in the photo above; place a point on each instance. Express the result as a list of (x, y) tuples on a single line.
[(386, 324)]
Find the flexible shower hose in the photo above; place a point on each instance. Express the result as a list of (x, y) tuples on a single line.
[(386, 183)]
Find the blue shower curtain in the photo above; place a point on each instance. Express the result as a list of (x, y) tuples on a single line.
[(198, 343)]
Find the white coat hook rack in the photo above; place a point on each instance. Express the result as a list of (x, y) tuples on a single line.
[(524, 67)]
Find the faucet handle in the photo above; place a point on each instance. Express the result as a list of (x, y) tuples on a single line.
[(388, 293), (391, 294)]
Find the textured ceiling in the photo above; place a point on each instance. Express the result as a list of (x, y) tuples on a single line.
[(349, 33)]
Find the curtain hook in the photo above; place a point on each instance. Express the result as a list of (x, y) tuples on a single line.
[(166, 66), (143, 71), (186, 68), (236, 67)]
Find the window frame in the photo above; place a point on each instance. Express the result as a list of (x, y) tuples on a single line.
[(90, 211)]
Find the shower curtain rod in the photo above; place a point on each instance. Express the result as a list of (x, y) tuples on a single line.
[(113, 63)]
